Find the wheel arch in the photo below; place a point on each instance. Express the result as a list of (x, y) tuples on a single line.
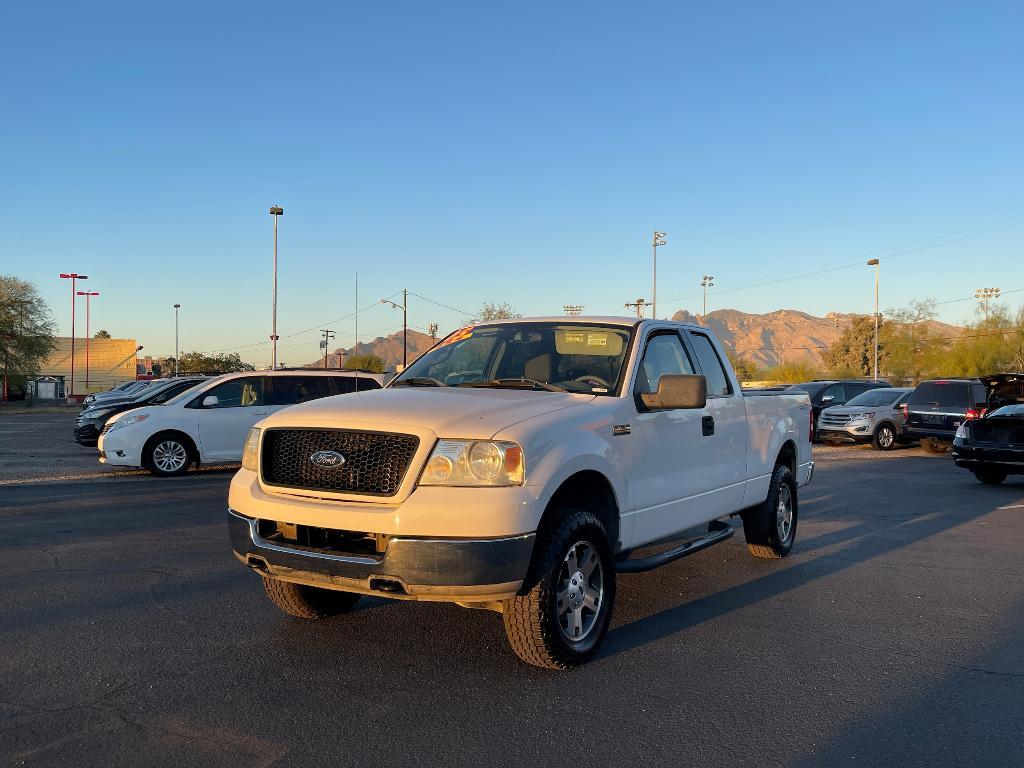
[(592, 491), (787, 456)]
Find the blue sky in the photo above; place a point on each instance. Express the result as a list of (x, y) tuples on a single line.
[(479, 152)]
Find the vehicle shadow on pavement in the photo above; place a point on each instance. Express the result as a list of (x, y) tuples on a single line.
[(870, 536)]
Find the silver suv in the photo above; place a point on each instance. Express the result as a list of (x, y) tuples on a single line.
[(872, 417)]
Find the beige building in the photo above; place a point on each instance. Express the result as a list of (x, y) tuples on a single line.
[(111, 361)]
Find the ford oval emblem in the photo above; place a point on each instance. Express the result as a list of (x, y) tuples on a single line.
[(327, 459)]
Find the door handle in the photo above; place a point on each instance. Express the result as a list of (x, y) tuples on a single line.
[(707, 425)]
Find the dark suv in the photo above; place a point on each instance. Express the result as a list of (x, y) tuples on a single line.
[(826, 393), (938, 407)]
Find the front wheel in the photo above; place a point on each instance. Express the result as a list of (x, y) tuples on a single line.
[(884, 438), (561, 617), (990, 475), (302, 602), (770, 527), (167, 456)]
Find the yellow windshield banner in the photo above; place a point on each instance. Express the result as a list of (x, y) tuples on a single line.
[(460, 335)]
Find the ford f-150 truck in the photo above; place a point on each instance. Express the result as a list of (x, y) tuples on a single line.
[(517, 466)]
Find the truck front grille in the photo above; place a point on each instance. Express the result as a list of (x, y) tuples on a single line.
[(374, 463)]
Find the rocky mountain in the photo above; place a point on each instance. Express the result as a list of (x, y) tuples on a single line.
[(387, 348), (785, 335)]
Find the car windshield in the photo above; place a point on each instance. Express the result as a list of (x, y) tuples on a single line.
[(570, 357), (874, 398), (1008, 410)]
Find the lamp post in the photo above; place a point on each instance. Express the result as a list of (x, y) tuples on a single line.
[(88, 295), (404, 306), (985, 295), (705, 284), (874, 263), (72, 276), (656, 242), (328, 335), (275, 211), (177, 354)]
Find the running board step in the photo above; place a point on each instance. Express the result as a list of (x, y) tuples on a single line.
[(718, 531)]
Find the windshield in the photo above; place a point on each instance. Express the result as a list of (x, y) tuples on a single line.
[(1008, 410), (570, 357), (874, 398)]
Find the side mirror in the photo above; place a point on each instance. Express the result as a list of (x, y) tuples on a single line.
[(210, 401), (677, 390), (827, 399)]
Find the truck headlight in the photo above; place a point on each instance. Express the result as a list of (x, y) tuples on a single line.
[(251, 451), (474, 463), (133, 418)]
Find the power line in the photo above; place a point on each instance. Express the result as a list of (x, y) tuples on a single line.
[(445, 306)]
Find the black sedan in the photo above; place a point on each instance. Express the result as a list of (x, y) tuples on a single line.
[(992, 447), (91, 420)]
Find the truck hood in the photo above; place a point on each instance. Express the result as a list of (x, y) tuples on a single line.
[(843, 410), (447, 412)]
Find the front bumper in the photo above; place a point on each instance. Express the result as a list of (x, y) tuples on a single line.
[(452, 570), (117, 451), (87, 432), (857, 432)]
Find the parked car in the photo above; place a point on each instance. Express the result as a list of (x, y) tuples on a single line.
[(208, 424), (120, 388), (875, 417), (827, 393), (133, 389), (936, 409), (992, 447), (90, 421), (516, 466)]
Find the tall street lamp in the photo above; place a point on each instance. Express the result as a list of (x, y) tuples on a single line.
[(656, 242), (88, 295), (705, 284), (177, 354), (874, 263), (276, 212), (404, 306), (73, 276)]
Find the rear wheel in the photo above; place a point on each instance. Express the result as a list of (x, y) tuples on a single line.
[(933, 446), (990, 475), (167, 455), (560, 621), (770, 527), (884, 438), (304, 602)]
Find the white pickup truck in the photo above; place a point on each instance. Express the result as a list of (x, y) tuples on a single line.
[(517, 466)]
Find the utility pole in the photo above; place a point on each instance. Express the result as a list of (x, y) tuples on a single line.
[(985, 295), (356, 347), (705, 284), (177, 354), (572, 309), (639, 305), (404, 306), (875, 263), (72, 276), (277, 212), (656, 242), (328, 335), (432, 330), (88, 295)]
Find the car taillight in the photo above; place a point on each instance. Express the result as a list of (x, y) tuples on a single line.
[(906, 411), (974, 414)]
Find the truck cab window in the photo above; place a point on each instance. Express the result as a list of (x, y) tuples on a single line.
[(711, 366), (664, 354)]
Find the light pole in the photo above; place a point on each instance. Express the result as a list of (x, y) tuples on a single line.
[(874, 263), (656, 242), (705, 284), (88, 295), (275, 211), (72, 276), (328, 335), (985, 295), (177, 354), (404, 306)]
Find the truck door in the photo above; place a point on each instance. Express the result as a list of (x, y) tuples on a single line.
[(727, 445), (670, 478)]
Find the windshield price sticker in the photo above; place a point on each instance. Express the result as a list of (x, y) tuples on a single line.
[(597, 339)]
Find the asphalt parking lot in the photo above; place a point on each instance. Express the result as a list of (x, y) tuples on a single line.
[(891, 637)]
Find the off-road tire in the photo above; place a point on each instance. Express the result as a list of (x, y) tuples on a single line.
[(531, 617), (304, 602), (989, 475), (149, 449), (885, 437), (759, 523), (933, 446)]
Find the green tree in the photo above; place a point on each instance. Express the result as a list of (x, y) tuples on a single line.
[(365, 363), (26, 331), (854, 350), (990, 345), (491, 311), (199, 362), (912, 350), (746, 369), (791, 373), (102, 334)]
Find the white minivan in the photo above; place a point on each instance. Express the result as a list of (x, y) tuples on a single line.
[(208, 424)]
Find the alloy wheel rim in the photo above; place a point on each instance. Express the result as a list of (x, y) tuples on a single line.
[(580, 591), (169, 456), (885, 437), (784, 514)]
